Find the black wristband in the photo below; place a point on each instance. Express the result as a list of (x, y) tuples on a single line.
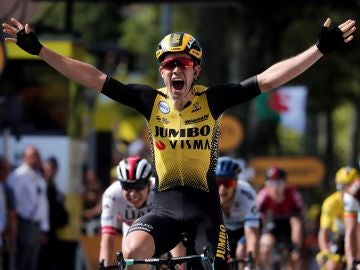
[(330, 39), (28, 42)]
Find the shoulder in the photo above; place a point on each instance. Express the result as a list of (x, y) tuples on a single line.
[(114, 190), (329, 203), (332, 199), (293, 194), (292, 191), (200, 89), (247, 190), (262, 195)]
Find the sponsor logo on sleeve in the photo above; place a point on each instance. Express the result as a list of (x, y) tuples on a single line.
[(164, 107)]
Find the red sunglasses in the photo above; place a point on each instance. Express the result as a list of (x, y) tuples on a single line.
[(226, 182), (182, 62)]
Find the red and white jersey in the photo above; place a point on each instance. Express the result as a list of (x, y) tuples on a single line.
[(117, 214), (291, 205)]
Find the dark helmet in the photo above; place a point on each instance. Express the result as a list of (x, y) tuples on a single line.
[(227, 167), (179, 42), (134, 169), (275, 173)]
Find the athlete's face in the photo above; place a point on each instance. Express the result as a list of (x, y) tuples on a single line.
[(226, 189), (179, 71), (135, 197), (276, 189)]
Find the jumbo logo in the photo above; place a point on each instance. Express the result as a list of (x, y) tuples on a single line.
[(164, 107), (185, 138), (183, 132), (222, 243)]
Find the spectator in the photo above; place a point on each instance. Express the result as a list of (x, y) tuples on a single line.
[(9, 235), (32, 209), (3, 219), (58, 216), (93, 191)]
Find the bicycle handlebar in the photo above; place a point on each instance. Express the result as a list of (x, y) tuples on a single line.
[(122, 263)]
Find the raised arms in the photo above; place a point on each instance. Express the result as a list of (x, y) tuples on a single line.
[(329, 40), (80, 72)]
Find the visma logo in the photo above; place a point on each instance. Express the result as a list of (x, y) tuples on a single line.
[(160, 145)]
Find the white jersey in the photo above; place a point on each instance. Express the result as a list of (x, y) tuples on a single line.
[(351, 204), (243, 212), (116, 213)]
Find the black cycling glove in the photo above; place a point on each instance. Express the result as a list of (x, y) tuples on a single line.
[(28, 42), (330, 39)]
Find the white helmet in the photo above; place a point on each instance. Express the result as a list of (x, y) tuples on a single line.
[(134, 169)]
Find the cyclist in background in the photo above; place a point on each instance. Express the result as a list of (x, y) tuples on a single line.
[(332, 230), (351, 219), (238, 202), (123, 202), (281, 207)]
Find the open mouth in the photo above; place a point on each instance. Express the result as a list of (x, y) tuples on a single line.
[(178, 84)]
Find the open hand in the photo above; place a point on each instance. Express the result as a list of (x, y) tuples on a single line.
[(22, 36)]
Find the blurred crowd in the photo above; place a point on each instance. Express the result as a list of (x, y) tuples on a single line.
[(33, 209)]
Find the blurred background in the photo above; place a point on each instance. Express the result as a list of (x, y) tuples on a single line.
[(311, 126)]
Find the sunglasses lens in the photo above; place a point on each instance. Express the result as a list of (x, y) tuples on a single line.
[(133, 186), (228, 183), (181, 62)]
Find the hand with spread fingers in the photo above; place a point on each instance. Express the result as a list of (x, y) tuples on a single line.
[(331, 39), (23, 36)]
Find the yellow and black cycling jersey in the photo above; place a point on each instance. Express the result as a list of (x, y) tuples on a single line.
[(184, 151), (186, 139), (332, 214)]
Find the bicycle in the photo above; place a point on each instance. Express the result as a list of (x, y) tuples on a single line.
[(159, 262), (282, 253)]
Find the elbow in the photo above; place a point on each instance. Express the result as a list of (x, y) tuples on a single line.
[(265, 84), (95, 83)]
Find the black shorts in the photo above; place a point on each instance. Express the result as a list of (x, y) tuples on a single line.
[(234, 237), (280, 229), (190, 211)]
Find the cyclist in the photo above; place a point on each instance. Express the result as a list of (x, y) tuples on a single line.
[(238, 202), (351, 218), (124, 201), (183, 120), (280, 207), (331, 232)]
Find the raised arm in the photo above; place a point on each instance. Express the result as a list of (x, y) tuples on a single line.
[(329, 40), (80, 72)]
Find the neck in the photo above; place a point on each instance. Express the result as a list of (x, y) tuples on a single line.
[(226, 205), (182, 102)]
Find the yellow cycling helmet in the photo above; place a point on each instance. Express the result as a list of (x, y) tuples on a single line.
[(346, 175), (179, 42)]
